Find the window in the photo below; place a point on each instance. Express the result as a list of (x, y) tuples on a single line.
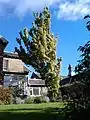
[(31, 91), (36, 91), (5, 64)]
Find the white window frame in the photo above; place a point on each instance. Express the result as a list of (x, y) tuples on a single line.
[(32, 88)]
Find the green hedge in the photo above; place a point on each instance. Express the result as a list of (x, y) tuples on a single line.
[(36, 100)]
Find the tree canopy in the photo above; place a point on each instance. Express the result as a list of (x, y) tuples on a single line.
[(80, 107), (37, 48), (83, 67)]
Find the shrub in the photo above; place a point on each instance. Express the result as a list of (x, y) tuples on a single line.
[(5, 95), (1, 103), (64, 97), (59, 99), (29, 100), (45, 99), (16, 91), (38, 100)]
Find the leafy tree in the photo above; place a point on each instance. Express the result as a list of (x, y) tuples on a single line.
[(37, 47), (80, 108), (83, 68), (84, 63)]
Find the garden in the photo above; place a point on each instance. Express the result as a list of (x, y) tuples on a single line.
[(43, 111), (45, 62)]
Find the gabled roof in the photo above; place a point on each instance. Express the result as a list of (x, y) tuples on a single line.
[(34, 75), (26, 69)]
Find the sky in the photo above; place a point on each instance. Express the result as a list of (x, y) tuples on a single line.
[(66, 21)]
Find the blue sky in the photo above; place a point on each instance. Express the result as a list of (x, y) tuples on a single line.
[(67, 21)]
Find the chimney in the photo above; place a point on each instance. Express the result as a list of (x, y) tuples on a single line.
[(69, 70), (3, 44)]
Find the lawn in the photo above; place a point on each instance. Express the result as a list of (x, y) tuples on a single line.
[(44, 111)]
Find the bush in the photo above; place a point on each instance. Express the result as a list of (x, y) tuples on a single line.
[(65, 97), (45, 99), (59, 99), (29, 100), (5, 95), (1, 103), (38, 100)]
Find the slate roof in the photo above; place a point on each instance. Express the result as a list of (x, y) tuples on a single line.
[(36, 82), (3, 41), (11, 55), (34, 75), (26, 69), (69, 80), (65, 81)]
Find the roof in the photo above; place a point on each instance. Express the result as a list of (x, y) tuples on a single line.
[(62, 77), (11, 55), (14, 84), (3, 41), (17, 73), (36, 82), (65, 81), (15, 55), (26, 69), (68, 80), (34, 75)]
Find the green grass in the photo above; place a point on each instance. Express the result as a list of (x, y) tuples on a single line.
[(44, 111)]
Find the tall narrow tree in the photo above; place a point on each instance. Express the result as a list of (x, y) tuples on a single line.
[(37, 47)]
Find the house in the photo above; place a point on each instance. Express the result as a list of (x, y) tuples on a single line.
[(35, 86), (13, 72), (71, 86), (3, 44), (14, 69), (16, 74)]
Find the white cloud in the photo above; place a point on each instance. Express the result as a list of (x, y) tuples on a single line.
[(21, 7), (67, 9), (74, 10)]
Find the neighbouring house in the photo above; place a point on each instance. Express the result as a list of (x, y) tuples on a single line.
[(71, 86), (68, 84), (35, 86)]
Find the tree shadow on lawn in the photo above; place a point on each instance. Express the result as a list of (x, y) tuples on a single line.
[(38, 114)]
